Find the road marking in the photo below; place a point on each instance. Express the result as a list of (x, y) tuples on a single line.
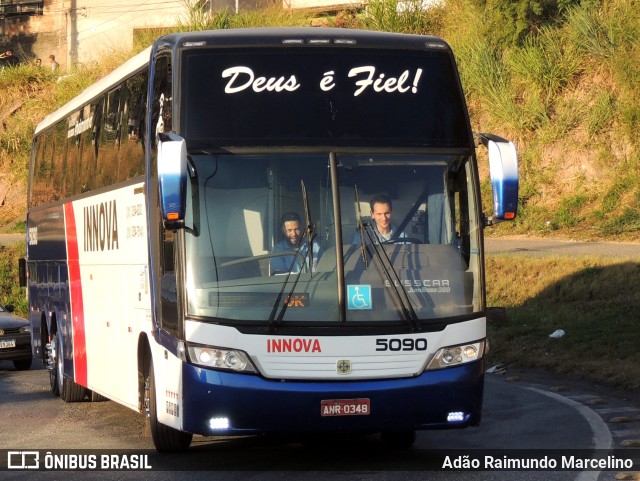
[(623, 409), (620, 433), (602, 438), (582, 397)]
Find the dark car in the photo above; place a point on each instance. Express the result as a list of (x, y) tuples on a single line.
[(15, 339)]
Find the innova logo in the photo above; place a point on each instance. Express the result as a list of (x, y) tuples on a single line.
[(293, 345), (101, 227)]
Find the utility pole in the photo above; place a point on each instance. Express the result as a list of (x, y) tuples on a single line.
[(72, 36)]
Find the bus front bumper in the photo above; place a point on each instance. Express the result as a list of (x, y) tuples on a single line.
[(220, 403)]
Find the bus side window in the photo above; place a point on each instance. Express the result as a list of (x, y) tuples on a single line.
[(161, 111), (168, 287), (461, 218), (59, 158), (49, 161), (38, 182), (131, 159), (168, 263), (72, 183), (90, 143), (37, 189), (107, 172)]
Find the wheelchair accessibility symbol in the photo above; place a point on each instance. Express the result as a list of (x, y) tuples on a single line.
[(359, 296)]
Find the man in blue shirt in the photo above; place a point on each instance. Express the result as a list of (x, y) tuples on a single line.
[(291, 228)]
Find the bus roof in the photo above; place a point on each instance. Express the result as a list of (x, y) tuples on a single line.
[(104, 84), (300, 36)]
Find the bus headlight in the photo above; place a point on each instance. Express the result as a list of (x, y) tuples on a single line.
[(456, 355), (220, 358)]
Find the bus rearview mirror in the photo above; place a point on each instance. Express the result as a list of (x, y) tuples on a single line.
[(503, 169), (172, 178)]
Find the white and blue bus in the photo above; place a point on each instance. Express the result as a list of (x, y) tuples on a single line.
[(155, 220)]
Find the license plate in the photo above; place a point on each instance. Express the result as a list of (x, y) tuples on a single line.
[(7, 343), (345, 407)]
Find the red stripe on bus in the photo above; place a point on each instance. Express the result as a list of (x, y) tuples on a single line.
[(77, 307)]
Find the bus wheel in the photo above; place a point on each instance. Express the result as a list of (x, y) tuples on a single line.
[(69, 390), (51, 363), (398, 439), (165, 438)]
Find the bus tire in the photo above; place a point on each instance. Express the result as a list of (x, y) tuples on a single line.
[(165, 438), (51, 361), (69, 390), (398, 439)]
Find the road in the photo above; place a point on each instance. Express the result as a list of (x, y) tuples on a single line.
[(9, 239), (518, 415), (538, 247)]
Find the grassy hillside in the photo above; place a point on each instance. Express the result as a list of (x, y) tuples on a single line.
[(559, 77)]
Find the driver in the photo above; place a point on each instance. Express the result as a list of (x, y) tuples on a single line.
[(381, 211)]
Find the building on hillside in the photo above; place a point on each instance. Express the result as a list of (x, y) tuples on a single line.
[(322, 4), (80, 30), (85, 30)]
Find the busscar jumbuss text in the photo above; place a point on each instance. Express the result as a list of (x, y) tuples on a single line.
[(291, 215)]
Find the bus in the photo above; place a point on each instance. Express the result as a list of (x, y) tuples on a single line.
[(157, 212)]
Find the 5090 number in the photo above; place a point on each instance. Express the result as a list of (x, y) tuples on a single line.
[(407, 344)]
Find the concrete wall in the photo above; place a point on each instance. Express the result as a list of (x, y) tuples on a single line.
[(95, 28), (321, 4), (85, 30)]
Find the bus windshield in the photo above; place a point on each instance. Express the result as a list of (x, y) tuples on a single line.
[(261, 238)]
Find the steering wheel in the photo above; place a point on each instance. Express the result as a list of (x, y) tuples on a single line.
[(404, 240)]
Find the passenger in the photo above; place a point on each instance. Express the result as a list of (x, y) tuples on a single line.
[(9, 59), (53, 64), (381, 212), (291, 228)]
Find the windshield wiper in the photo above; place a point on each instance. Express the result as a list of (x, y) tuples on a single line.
[(311, 228), (361, 229), (270, 322), (309, 234), (390, 273)]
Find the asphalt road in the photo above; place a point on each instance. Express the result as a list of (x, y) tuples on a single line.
[(520, 417), (538, 247), (9, 239)]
